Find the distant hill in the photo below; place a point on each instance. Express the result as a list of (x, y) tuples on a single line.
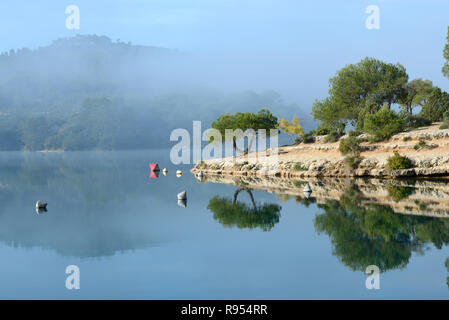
[(88, 92), (71, 69)]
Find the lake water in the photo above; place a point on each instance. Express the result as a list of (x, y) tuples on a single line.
[(131, 239)]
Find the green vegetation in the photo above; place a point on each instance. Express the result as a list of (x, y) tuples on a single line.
[(264, 119), (354, 133), (308, 138), (415, 94), (350, 145), (321, 131), (361, 95), (100, 94), (445, 124), (299, 167), (436, 106), (360, 89), (397, 162), (102, 123), (422, 144), (383, 124), (333, 136), (446, 57), (352, 161), (103, 103), (410, 121)]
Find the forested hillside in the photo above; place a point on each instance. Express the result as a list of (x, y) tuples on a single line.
[(89, 92)]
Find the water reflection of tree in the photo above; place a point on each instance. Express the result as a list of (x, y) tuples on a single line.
[(364, 234), (230, 212)]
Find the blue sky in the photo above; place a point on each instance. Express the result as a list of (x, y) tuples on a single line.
[(289, 46)]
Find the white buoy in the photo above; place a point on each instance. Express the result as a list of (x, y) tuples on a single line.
[(182, 195), (164, 171), (178, 173), (307, 188), (41, 205)]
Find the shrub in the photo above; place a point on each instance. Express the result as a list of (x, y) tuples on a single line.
[(333, 136), (350, 145), (421, 144), (414, 121), (299, 167), (397, 162), (354, 133), (307, 138), (445, 124), (353, 161), (321, 131), (383, 124)]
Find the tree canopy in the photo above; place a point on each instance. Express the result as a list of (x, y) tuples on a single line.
[(293, 128), (436, 106), (446, 56), (359, 89), (264, 119), (383, 124), (416, 93)]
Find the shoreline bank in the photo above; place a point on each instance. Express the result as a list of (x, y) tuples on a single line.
[(320, 159)]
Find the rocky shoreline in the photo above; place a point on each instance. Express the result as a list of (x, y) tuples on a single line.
[(320, 159), (420, 197)]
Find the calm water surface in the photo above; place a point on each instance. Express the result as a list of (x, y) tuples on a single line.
[(131, 239)]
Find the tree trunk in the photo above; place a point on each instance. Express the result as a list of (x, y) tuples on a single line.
[(234, 145), (243, 152), (236, 193)]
